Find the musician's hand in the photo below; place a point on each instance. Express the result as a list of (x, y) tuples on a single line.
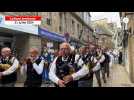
[(23, 61), (68, 78), (32, 59), (61, 83)]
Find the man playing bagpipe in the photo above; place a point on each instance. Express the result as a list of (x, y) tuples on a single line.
[(63, 71), (97, 55), (33, 65), (8, 68), (87, 55)]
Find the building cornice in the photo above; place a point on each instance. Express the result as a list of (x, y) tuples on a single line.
[(81, 20)]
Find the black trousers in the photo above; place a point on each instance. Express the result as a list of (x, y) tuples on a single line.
[(97, 74), (70, 84), (105, 70), (31, 84), (8, 85), (120, 60), (86, 81)]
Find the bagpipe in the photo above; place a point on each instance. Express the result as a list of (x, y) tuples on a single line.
[(46, 64), (5, 66), (68, 68), (24, 60), (72, 68)]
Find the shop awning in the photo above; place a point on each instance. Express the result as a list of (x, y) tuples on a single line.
[(50, 35), (31, 29)]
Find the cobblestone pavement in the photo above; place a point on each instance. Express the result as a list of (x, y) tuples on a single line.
[(118, 78)]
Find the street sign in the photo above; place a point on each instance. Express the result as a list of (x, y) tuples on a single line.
[(125, 20), (67, 36), (49, 44)]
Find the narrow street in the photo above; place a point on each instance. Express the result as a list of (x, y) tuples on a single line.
[(118, 78)]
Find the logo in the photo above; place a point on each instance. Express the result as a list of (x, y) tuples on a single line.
[(1, 19), (23, 20)]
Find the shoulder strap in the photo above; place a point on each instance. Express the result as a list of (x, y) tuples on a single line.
[(71, 58), (12, 60), (58, 59), (38, 60), (78, 59)]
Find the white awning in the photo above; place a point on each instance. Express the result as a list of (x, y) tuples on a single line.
[(23, 28)]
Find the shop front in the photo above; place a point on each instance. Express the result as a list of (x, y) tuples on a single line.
[(17, 37), (48, 37), (75, 42)]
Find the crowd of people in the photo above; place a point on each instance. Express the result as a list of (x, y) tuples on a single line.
[(66, 67)]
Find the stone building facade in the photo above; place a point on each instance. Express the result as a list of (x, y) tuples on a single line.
[(77, 24), (129, 48), (74, 23), (103, 33), (21, 37)]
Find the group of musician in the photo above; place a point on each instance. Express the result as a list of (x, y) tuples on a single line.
[(70, 68)]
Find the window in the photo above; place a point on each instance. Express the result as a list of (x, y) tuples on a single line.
[(61, 22), (78, 28), (73, 26), (48, 21), (60, 28), (65, 22)]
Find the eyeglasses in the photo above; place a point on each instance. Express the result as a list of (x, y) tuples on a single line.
[(63, 49)]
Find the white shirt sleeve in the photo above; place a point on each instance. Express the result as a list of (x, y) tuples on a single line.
[(39, 68), (76, 57), (12, 68), (52, 75), (23, 69), (97, 66), (102, 59), (80, 62), (81, 73)]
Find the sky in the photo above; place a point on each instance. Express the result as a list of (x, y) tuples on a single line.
[(111, 16)]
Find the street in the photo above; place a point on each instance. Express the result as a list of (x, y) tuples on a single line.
[(118, 78), (62, 44)]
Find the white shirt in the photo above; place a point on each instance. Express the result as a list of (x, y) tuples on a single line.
[(76, 76), (38, 68), (102, 59), (97, 66), (112, 60), (12, 68)]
